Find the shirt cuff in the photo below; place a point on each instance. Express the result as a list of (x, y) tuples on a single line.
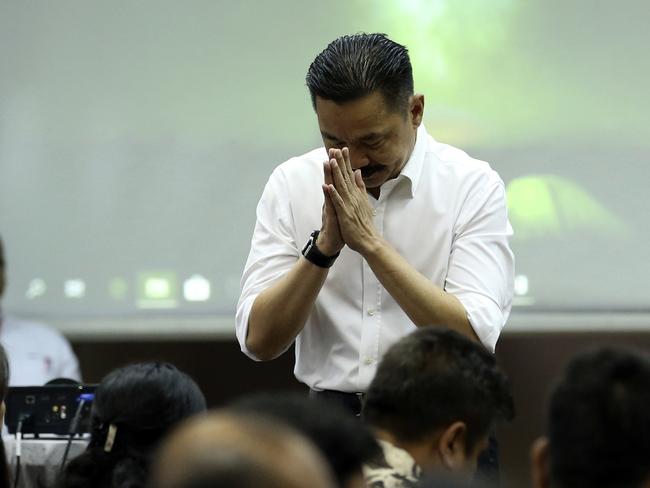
[(241, 325), (485, 316)]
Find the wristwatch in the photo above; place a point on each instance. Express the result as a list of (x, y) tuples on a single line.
[(315, 256)]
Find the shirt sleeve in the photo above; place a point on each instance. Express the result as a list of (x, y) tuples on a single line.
[(273, 251), (481, 264)]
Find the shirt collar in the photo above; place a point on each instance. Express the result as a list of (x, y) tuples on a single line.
[(400, 460), (413, 167)]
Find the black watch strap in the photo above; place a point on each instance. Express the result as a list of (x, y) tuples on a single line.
[(315, 256)]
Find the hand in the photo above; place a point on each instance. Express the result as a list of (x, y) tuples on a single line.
[(329, 240), (347, 193)]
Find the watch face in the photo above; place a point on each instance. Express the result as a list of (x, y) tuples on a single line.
[(310, 243)]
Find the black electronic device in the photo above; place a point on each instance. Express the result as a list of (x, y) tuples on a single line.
[(50, 409)]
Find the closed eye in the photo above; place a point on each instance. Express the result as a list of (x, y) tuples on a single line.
[(334, 144), (374, 144)]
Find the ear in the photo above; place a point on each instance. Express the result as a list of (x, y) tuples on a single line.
[(416, 109), (451, 446), (539, 463)]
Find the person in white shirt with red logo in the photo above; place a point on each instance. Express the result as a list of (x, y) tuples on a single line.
[(37, 353)]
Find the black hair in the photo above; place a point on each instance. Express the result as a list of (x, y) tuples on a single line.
[(599, 421), (432, 378), (343, 441), (357, 65), (143, 401), (3, 277), (4, 374), (4, 388)]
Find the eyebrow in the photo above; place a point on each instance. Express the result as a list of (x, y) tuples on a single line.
[(371, 136), (329, 136), (368, 137)]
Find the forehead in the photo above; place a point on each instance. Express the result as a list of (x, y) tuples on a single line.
[(355, 119)]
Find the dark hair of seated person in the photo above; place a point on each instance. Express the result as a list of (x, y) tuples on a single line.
[(345, 443), (139, 404), (599, 421), (4, 387), (435, 376)]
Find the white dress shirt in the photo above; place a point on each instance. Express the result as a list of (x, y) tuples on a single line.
[(36, 353), (445, 214)]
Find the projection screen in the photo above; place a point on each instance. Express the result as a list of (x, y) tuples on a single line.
[(136, 139)]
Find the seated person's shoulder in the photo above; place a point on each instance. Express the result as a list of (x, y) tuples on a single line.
[(37, 352), (29, 330)]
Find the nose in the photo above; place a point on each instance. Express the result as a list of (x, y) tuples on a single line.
[(358, 158)]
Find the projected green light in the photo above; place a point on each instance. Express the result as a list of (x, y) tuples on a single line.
[(157, 289), (454, 48), (551, 206), (437, 32)]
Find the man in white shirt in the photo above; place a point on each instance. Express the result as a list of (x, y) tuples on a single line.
[(36, 352), (406, 232)]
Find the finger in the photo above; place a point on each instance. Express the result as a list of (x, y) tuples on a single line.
[(327, 171), (338, 178), (328, 206), (358, 179), (345, 154), (335, 198), (348, 163), (340, 160)]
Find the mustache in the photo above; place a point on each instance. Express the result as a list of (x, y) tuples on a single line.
[(370, 170)]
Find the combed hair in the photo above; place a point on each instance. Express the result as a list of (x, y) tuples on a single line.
[(357, 65), (599, 421), (432, 378)]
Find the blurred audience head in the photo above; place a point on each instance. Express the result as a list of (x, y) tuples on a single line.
[(4, 388), (4, 380), (3, 279), (225, 449), (598, 426), (134, 407), (437, 395), (448, 480), (343, 441)]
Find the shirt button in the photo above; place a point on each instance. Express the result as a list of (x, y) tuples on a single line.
[(374, 213), (368, 361), (371, 312)]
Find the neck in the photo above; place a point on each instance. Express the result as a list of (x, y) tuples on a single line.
[(374, 192)]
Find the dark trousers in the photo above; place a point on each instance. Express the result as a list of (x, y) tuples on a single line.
[(352, 402), (487, 470)]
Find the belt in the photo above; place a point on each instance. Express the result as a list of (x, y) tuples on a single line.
[(352, 402)]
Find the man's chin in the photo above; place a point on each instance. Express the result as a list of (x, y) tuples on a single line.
[(374, 180)]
